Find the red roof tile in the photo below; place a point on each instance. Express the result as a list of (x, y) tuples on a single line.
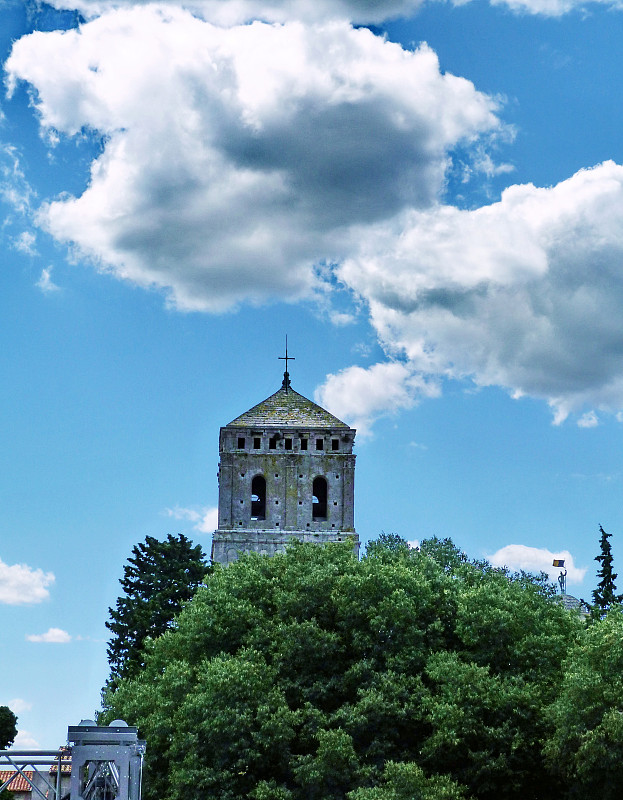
[(18, 784)]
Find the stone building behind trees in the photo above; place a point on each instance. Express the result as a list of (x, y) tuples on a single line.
[(287, 470)]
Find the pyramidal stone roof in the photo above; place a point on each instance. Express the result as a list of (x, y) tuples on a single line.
[(287, 408)]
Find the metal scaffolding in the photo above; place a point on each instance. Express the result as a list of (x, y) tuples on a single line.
[(106, 764)]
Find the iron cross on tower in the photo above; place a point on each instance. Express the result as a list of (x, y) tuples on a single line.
[(286, 375)]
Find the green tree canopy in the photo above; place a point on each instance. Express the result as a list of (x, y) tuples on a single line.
[(315, 676), (587, 743), (8, 727), (408, 782), (157, 580)]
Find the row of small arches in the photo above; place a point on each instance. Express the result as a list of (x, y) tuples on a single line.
[(258, 498)]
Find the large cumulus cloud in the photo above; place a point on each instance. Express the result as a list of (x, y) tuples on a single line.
[(229, 12), (232, 12), (238, 163), (524, 294), (236, 159)]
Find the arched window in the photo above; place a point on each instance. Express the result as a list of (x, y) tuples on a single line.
[(319, 507), (258, 497)]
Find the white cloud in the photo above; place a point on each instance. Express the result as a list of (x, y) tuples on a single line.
[(230, 12), (537, 559), (524, 293), (26, 243), (275, 150), (588, 420), (204, 521), (15, 190), (23, 585), (341, 318), (25, 741), (359, 396), (266, 144), (485, 164), (552, 8), (602, 477), (51, 636), (45, 282), (227, 12), (17, 705)]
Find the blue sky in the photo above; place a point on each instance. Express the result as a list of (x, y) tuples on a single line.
[(426, 197)]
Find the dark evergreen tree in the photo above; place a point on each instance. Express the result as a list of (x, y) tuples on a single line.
[(157, 580), (8, 727), (605, 594)]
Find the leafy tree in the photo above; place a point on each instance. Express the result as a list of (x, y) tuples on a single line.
[(157, 580), (390, 544), (445, 553), (586, 745), (408, 782), (605, 594), (314, 676), (8, 727)]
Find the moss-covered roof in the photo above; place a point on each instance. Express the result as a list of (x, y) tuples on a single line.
[(287, 408)]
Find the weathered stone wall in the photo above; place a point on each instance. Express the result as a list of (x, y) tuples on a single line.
[(228, 545), (304, 456), (289, 459), (289, 479)]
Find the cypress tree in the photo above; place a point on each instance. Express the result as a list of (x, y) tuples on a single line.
[(605, 594), (157, 580)]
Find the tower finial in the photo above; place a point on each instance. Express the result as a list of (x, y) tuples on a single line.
[(286, 375)]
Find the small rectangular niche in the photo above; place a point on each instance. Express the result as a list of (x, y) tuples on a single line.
[(319, 444), (303, 444), (335, 444), (288, 444), (257, 443), (241, 442), (272, 443)]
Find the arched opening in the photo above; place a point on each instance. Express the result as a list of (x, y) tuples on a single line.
[(258, 497), (319, 507)]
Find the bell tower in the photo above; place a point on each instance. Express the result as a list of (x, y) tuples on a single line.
[(287, 470)]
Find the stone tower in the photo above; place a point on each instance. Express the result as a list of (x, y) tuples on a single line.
[(287, 470)]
